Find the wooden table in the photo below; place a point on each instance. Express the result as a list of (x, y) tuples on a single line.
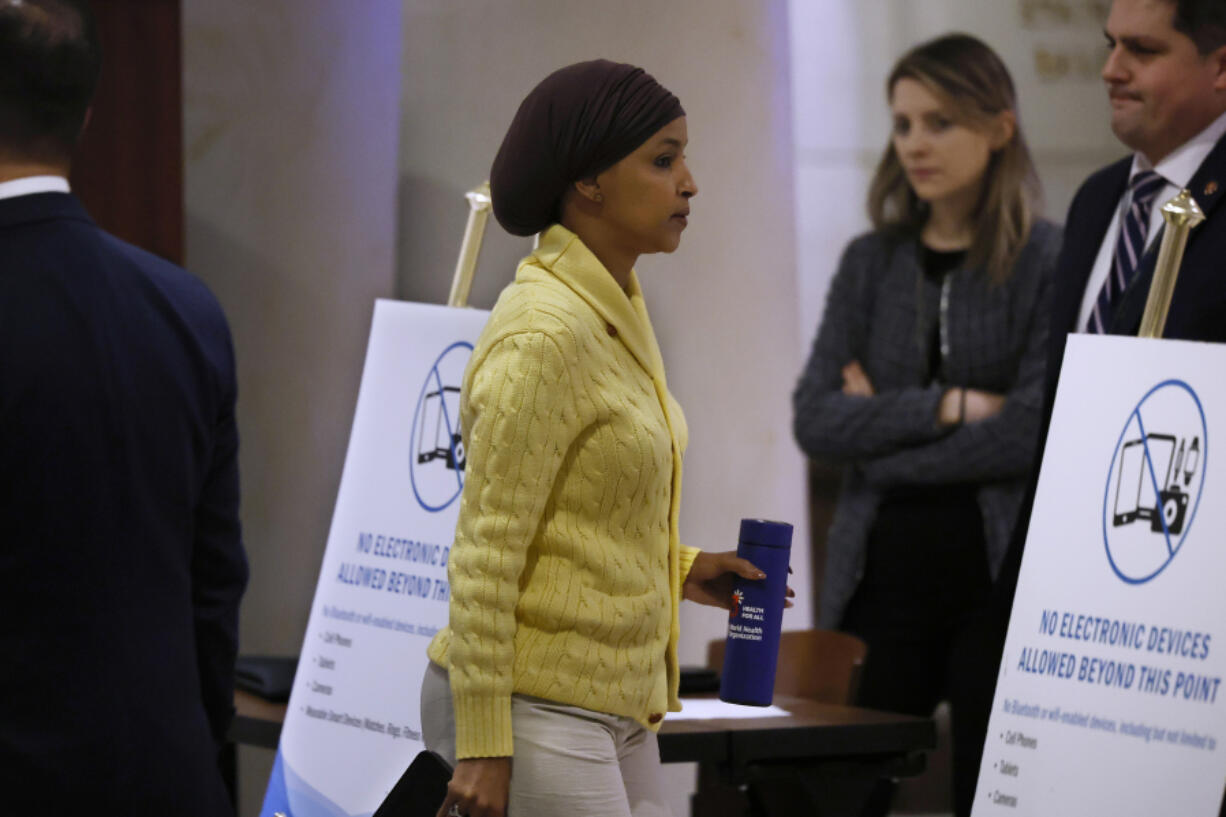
[(811, 729), (820, 760), (257, 722)]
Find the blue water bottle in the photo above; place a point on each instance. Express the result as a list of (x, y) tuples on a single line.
[(752, 648)]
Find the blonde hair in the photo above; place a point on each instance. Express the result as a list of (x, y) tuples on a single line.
[(972, 80)]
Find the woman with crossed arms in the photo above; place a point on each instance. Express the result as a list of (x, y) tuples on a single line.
[(926, 380)]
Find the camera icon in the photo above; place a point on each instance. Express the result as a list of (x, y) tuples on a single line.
[(1141, 495)]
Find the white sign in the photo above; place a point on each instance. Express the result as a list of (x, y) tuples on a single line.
[(1110, 697), (353, 725)]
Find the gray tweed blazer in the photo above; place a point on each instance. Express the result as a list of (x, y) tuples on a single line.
[(993, 338)]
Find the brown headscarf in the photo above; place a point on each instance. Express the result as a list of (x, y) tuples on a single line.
[(579, 121)]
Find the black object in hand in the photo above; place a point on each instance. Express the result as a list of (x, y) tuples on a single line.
[(421, 789)]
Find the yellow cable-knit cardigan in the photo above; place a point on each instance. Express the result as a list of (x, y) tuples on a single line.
[(566, 570)]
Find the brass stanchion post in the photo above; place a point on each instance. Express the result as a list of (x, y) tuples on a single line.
[(1181, 213), (479, 204)]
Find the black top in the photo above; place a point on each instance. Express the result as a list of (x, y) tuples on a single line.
[(937, 264)]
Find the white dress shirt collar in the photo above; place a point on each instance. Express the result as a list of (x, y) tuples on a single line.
[(33, 184), (1181, 164)]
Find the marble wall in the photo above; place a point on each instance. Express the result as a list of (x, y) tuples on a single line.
[(290, 135)]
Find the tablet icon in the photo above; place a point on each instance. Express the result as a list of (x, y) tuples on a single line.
[(436, 447), (1155, 481), (1176, 467)]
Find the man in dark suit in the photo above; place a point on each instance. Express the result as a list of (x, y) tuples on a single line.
[(1166, 80), (121, 563)]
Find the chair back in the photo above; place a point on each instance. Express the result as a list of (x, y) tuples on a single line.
[(823, 665)]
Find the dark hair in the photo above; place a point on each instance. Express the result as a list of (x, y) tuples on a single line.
[(1203, 21), (49, 65), (974, 83)]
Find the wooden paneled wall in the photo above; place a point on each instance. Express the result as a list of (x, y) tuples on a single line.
[(129, 166)]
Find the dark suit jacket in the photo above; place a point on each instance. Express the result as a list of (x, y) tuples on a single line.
[(121, 563), (1198, 309)]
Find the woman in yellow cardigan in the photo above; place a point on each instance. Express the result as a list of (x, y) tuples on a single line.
[(566, 574)]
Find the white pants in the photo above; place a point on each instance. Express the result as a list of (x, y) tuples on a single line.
[(568, 761)]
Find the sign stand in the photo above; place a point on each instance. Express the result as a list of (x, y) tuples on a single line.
[(1109, 698), (353, 723)]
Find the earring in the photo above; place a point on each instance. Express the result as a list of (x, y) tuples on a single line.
[(598, 197)]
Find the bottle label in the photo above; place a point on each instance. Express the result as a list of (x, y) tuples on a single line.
[(745, 620)]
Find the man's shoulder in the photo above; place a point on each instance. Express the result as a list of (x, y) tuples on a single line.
[(57, 229), (176, 282), (168, 288), (64, 247), (1106, 182)]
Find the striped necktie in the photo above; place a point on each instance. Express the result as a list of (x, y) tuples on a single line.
[(1128, 249)]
